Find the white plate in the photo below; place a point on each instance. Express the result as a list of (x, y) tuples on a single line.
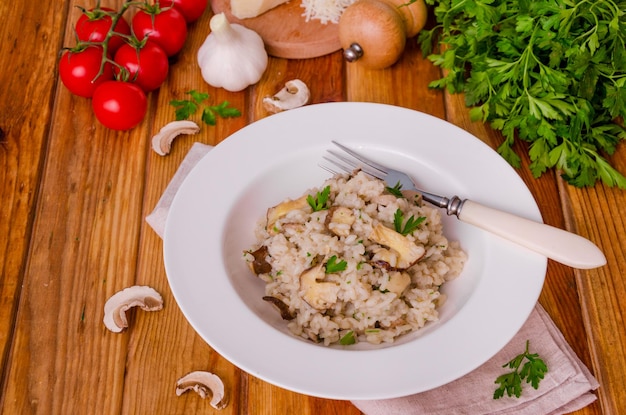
[(213, 215)]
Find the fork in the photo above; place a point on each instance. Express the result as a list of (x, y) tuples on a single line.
[(557, 244)]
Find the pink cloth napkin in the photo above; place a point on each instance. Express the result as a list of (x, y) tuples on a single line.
[(567, 386), (156, 219)]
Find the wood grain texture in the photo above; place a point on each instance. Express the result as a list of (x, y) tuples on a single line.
[(25, 110), (73, 231), (598, 214)]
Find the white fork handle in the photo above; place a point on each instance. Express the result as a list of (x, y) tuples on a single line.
[(562, 246)]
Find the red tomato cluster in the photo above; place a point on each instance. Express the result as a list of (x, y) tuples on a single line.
[(136, 60)]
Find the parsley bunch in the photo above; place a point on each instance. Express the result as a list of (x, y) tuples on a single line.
[(549, 72)]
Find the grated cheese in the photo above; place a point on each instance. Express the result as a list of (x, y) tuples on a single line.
[(324, 10)]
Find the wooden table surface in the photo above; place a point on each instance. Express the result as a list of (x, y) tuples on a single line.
[(74, 197)]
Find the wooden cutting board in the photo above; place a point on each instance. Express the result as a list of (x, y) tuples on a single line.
[(285, 32)]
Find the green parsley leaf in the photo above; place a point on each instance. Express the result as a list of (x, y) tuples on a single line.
[(396, 190), (410, 225), (348, 339), (320, 201), (533, 371), (186, 108), (333, 266), (208, 117), (209, 114), (224, 110), (198, 97)]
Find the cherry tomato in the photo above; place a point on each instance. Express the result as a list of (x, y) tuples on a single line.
[(119, 105), (191, 9), (79, 70), (93, 26), (164, 26), (147, 65)]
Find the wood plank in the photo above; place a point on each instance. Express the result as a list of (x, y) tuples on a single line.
[(598, 214), (26, 102), (162, 352), (83, 249)]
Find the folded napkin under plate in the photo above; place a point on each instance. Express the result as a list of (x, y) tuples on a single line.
[(567, 386)]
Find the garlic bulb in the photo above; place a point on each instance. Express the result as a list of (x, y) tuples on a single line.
[(232, 56)]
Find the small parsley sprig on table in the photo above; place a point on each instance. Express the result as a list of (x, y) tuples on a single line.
[(185, 108), (549, 72), (532, 371)]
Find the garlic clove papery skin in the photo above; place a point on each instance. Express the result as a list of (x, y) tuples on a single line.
[(232, 57)]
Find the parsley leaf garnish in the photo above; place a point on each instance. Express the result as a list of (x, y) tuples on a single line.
[(333, 266), (551, 73), (396, 190), (185, 108), (320, 201), (347, 339), (410, 225), (532, 371), (223, 110)]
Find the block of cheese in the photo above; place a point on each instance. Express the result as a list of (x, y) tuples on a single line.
[(244, 9)]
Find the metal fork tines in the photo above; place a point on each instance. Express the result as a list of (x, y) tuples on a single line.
[(349, 165), (352, 161)]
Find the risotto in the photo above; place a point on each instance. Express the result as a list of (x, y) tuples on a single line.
[(354, 261)]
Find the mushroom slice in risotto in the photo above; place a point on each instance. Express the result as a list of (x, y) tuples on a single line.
[(318, 294), (260, 264), (398, 281), (285, 313), (408, 251), (339, 219), (280, 210)]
